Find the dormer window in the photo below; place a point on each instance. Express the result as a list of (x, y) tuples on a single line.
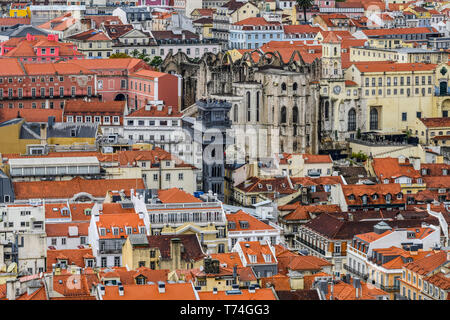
[(388, 198), (444, 172), (351, 197), (374, 196), (400, 195), (260, 185), (386, 181), (364, 199), (244, 224), (252, 258), (231, 225), (102, 232), (128, 229), (115, 231), (268, 258), (269, 187), (142, 230)]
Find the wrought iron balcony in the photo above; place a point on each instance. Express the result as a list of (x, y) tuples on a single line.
[(364, 276), (393, 288)]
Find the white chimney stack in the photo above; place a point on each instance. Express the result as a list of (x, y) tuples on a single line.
[(161, 287)]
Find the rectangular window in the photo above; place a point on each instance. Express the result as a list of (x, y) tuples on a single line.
[(404, 116)]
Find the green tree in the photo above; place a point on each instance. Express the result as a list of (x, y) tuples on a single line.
[(305, 4), (120, 55), (156, 61)]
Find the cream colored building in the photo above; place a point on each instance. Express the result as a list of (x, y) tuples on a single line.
[(401, 55)]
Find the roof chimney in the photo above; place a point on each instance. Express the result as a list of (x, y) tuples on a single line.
[(357, 285), (161, 287), (11, 287)]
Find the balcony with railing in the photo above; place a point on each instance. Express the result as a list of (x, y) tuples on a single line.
[(310, 246), (364, 276), (394, 288)]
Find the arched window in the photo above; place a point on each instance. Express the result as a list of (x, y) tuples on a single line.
[(352, 120), (295, 86), (295, 115), (235, 113), (335, 68), (283, 114), (373, 119), (283, 86), (326, 110), (257, 106), (248, 106)]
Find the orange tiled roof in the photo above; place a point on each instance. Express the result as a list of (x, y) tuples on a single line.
[(398, 31), (253, 223), (61, 229), (73, 256), (437, 182), (257, 249), (175, 195), (388, 66), (53, 211), (428, 263), (120, 221), (259, 294), (279, 282), (154, 112), (173, 291), (439, 280), (30, 115), (68, 188), (256, 21), (390, 168), (436, 122), (302, 212), (38, 294), (230, 259)]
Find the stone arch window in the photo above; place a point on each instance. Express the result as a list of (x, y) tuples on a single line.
[(248, 106), (373, 119), (352, 120), (235, 113), (283, 86), (295, 86), (295, 115), (283, 114)]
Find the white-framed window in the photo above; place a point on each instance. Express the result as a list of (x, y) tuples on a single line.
[(69, 118), (106, 119), (88, 119)]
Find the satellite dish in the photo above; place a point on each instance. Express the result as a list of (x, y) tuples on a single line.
[(11, 267)]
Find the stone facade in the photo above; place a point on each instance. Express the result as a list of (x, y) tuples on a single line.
[(277, 100)]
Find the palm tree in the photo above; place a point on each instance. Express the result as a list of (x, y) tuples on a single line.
[(305, 4)]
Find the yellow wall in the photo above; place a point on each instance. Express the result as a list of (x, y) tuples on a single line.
[(20, 13)]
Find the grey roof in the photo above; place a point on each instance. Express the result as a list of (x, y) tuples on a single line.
[(21, 30), (82, 130), (138, 239)]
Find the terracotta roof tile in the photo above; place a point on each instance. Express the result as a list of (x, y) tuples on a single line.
[(68, 188), (259, 294), (73, 256), (173, 291), (253, 223), (61, 229)]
